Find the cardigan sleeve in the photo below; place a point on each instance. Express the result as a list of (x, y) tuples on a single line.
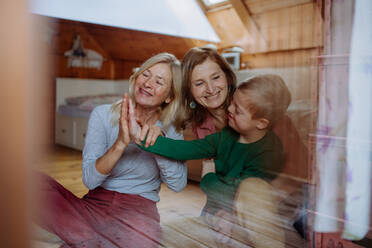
[(172, 172), (95, 146)]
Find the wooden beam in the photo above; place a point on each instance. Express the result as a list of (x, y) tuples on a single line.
[(247, 20), (202, 6), (261, 6)]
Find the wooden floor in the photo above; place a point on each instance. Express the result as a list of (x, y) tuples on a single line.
[(64, 165)]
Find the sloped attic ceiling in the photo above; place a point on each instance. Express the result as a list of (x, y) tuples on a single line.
[(182, 18)]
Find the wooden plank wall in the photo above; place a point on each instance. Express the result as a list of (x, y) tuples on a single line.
[(292, 31), (62, 42), (122, 49)]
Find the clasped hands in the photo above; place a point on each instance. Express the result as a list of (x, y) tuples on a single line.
[(131, 130)]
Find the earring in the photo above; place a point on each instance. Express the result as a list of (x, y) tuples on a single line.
[(192, 105)]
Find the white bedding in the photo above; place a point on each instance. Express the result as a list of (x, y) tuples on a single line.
[(75, 99)]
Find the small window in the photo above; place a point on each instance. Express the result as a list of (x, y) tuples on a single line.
[(213, 2), (233, 59)]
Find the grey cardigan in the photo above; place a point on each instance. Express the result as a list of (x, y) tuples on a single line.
[(137, 171)]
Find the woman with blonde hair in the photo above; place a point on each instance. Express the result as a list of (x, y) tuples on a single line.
[(124, 181)]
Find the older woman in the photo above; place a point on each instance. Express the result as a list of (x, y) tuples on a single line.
[(120, 207)]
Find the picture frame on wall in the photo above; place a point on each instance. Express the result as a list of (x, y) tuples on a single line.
[(233, 59)]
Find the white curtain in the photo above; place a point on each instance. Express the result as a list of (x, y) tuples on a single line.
[(345, 128), (359, 126)]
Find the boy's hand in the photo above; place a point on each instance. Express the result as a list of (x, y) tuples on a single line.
[(152, 133), (208, 166)]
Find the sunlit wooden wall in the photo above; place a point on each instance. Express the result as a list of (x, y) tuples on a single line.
[(272, 33)]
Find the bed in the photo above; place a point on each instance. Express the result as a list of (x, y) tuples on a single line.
[(75, 99)]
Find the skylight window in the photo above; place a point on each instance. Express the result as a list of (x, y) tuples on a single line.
[(210, 3)]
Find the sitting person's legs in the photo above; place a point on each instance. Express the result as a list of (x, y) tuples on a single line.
[(256, 223), (102, 218), (59, 212), (257, 215)]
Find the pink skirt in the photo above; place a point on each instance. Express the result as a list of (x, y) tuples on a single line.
[(102, 218)]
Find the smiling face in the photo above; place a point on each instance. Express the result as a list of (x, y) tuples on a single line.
[(241, 117), (209, 86), (152, 87)]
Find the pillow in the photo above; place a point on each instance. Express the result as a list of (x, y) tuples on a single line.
[(90, 102)]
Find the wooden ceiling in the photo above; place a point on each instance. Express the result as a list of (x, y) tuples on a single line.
[(260, 6), (119, 44)]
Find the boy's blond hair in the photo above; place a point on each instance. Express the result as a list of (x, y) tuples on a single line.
[(267, 96)]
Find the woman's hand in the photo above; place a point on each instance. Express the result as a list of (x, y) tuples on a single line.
[(150, 133), (134, 127), (123, 136)]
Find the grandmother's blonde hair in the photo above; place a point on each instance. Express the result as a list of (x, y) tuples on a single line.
[(167, 111)]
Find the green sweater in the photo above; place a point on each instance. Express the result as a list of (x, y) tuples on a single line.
[(234, 162)]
